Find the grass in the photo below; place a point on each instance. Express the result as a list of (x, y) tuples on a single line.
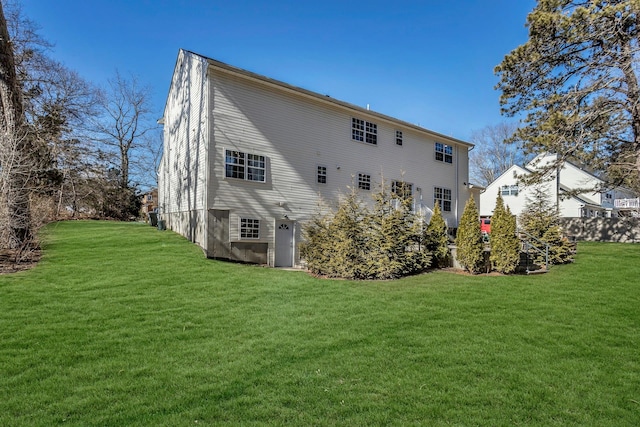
[(123, 325)]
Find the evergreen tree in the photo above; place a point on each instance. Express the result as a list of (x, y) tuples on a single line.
[(436, 238), (357, 243), (505, 245), (347, 239), (470, 248), (541, 220), (576, 83)]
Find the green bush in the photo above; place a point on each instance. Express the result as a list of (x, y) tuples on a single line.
[(541, 220), (470, 248), (505, 245), (359, 243), (436, 238)]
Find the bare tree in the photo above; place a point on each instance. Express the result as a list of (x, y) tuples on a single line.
[(494, 152), (126, 121), (14, 153)]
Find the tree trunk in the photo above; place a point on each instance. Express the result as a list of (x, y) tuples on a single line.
[(13, 147)]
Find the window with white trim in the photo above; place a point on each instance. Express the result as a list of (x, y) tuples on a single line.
[(442, 196), (364, 181), (444, 153), (398, 137), (364, 131), (402, 189), (249, 228), (247, 166), (322, 175), (509, 190)]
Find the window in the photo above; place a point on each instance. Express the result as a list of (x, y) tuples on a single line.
[(322, 175), (398, 137), (364, 181), (509, 190), (402, 189), (444, 153), (364, 131), (249, 228), (250, 167), (442, 196), (149, 197)]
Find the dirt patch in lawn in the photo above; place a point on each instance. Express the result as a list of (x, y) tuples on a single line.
[(12, 261)]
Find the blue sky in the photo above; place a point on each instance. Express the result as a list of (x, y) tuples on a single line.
[(427, 62)]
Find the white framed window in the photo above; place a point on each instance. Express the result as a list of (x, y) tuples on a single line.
[(402, 189), (509, 190), (444, 153), (249, 228), (149, 197), (398, 137), (442, 196), (246, 166), (364, 131), (321, 174), (364, 181)]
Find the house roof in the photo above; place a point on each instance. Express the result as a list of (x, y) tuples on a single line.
[(323, 98)]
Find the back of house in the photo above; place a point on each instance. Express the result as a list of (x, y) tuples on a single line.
[(248, 159)]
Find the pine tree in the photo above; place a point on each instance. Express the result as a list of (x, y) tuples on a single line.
[(541, 220), (436, 238), (394, 246), (575, 84), (470, 248), (505, 245), (355, 242)]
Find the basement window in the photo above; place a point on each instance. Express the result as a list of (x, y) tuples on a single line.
[(249, 228)]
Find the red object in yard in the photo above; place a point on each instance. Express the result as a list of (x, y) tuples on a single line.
[(485, 225)]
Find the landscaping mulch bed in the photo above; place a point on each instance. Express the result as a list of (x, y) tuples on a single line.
[(11, 261)]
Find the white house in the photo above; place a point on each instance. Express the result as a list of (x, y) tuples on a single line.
[(559, 187), (246, 160)]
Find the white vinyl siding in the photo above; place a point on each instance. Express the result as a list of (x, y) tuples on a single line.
[(293, 134)]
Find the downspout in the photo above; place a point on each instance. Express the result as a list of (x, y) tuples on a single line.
[(457, 185)]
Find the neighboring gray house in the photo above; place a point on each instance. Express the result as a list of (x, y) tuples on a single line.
[(246, 160)]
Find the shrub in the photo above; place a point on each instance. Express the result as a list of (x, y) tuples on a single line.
[(541, 220), (470, 248), (505, 245), (436, 238), (359, 243)]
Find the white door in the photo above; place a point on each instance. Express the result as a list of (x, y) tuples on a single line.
[(284, 243)]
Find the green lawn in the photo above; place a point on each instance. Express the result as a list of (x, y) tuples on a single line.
[(123, 325)]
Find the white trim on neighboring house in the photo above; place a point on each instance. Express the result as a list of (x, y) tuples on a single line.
[(562, 185)]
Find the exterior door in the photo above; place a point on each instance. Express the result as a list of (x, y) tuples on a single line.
[(284, 243), (218, 234)]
